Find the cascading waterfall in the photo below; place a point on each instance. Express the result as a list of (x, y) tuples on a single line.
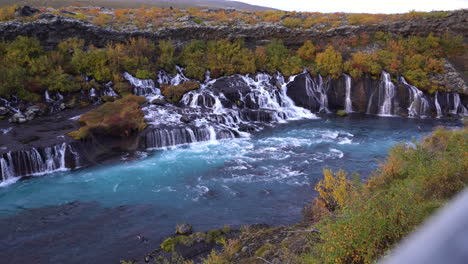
[(293, 112), (37, 161), (92, 92), (7, 104), (316, 90), (161, 138), (142, 87), (419, 106), (437, 105), (458, 107), (348, 101), (170, 79), (47, 96), (389, 92), (213, 115), (108, 91), (386, 93), (6, 168)]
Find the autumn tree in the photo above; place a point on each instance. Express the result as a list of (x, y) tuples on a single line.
[(166, 59), (307, 52), (361, 63), (261, 58), (277, 54), (329, 62), (193, 59)]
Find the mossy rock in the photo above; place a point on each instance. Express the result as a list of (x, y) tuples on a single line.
[(341, 113)]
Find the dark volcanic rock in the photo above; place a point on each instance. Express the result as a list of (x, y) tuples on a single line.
[(183, 229), (26, 11), (231, 86), (185, 119)]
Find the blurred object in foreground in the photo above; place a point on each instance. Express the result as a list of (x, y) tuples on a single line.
[(442, 239)]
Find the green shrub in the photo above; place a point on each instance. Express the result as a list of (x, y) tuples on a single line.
[(292, 22), (277, 54), (166, 58), (193, 59), (143, 74)]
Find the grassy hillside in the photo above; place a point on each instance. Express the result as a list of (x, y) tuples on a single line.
[(138, 3)]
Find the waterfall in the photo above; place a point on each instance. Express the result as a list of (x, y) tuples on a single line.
[(458, 107), (47, 96), (419, 106), (437, 105), (385, 95), (36, 161), (92, 92), (292, 111), (171, 79), (6, 167), (207, 114), (7, 104), (142, 87), (108, 91), (259, 95), (316, 90), (167, 137), (348, 101), (389, 92)]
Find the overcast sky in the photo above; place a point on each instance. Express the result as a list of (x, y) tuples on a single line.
[(361, 6)]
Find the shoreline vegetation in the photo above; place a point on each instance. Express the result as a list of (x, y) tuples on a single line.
[(349, 221)]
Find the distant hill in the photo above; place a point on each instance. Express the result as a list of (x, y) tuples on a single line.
[(138, 3)]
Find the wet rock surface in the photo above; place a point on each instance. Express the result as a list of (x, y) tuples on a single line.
[(50, 128)]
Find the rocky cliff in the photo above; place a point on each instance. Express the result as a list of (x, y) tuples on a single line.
[(50, 29)]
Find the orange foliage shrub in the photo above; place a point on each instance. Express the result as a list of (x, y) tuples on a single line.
[(174, 93), (121, 118), (7, 13)]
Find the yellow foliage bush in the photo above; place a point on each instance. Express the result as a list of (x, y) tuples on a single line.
[(334, 190), (406, 189), (7, 13)]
